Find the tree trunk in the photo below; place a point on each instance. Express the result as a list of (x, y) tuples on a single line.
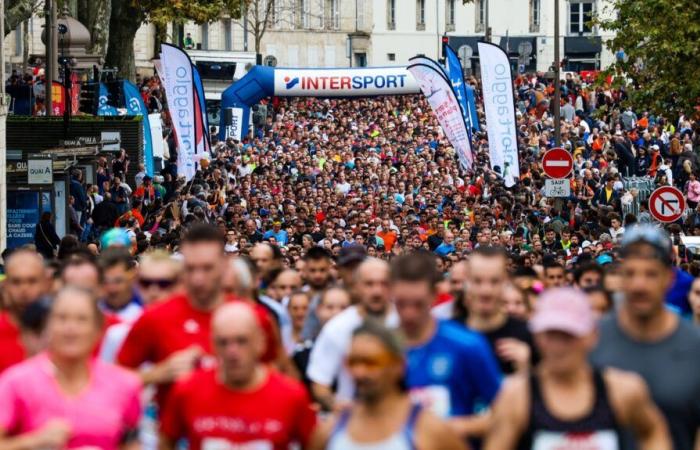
[(161, 35), (123, 24), (95, 15), (25, 46)]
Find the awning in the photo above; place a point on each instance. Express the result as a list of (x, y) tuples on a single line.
[(470, 41), (511, 44), (576, 45)]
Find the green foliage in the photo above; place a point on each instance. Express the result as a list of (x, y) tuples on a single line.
[(661, 39), (161, 12)]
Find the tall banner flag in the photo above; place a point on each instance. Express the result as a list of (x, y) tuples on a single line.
[(471, 106), (454, 71), (103, 107), (179, 90), (499, 106), (201, 122), (136, 107), (438, 91)]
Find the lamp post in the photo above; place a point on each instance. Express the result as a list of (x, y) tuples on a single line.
[(557, 81)]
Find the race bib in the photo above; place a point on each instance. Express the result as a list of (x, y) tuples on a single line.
[(436, 399), (552, 440), (225, 444)]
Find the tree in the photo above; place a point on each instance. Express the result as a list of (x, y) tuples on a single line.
[(657, 43), (17, 11), (128, 15)]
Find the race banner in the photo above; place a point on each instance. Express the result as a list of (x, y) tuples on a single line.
[(103, 106), (201, 119), (135, 106), (365, 81), (179, 89), (454, 72), (438, 91), (471, 107), (499, 106)]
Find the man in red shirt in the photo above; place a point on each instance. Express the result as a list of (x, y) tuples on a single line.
[(175, 334), (25, 283), (241, 403)]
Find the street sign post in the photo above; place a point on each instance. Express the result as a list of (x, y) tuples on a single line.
[(666, 204), (559, 187), (557, 163)]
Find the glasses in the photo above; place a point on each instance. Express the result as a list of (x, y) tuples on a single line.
[(378, 362), (162, 283)]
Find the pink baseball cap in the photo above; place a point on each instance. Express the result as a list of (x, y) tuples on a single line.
[(563, 309)]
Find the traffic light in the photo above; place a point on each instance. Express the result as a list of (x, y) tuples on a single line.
[(88, 98), (445, 43)]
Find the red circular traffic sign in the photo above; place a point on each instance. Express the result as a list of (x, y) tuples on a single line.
[(666, 204), (557, 163)]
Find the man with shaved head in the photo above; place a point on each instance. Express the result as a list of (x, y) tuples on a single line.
[(240, 403), (371, 291), (457, 279), (25, 283)]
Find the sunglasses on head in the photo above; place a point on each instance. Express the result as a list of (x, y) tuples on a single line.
[(162, 283)]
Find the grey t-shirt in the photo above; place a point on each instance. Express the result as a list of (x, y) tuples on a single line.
[(671, 368)]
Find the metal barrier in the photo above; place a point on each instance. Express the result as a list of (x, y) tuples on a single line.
[(644, 186)]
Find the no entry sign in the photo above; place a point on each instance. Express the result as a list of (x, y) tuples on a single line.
[(666, 204), (557, 163)]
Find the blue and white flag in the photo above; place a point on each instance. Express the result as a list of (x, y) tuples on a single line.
[(135, 106), (454, 71), (103, 108)]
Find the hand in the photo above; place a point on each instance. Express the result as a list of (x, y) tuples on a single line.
[(181, 363), (53, 435), (514, 351)]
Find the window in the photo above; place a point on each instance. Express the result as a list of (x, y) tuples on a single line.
[(228, 35), (332, 14), (450, 15), (391, 14), (205, 36), (391, 56), (420, 14), (274, 13), (580, 17), (534, 16), (301, 13), (480, 14)]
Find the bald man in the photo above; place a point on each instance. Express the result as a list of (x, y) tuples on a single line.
[(25, 283), (458, 277), (371, 291), (240, 403)]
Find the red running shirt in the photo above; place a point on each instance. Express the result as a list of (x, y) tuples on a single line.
[(175, 325), (212, 416), (11, 349)]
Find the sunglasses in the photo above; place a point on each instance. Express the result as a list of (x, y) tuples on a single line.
[(162, 283)]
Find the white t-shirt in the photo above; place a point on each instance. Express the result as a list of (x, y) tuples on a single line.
[(331, 348)]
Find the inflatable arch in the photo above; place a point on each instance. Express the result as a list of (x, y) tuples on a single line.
[(263, 81)]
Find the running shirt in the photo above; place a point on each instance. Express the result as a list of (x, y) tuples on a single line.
[(454, 374), (175, 325), (10, 342), (99, 416), (214, 417), (598, 430), (401, 440)]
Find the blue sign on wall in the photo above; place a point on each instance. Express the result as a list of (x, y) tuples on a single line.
[(22, 217)]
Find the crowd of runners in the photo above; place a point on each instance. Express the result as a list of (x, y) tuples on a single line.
[(338, 282)]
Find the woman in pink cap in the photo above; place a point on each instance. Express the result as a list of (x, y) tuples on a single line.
[(566, 403)]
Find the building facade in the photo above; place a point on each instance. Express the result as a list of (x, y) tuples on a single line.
[(346, 33)]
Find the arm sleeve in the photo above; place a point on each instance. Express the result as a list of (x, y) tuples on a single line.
[(325, 359), (137, 347)]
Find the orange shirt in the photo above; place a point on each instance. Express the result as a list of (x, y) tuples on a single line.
[(389, 238)]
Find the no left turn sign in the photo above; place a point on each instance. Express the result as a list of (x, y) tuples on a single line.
[(666, 204)]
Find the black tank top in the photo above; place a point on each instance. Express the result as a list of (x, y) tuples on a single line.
[(597, 430)]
